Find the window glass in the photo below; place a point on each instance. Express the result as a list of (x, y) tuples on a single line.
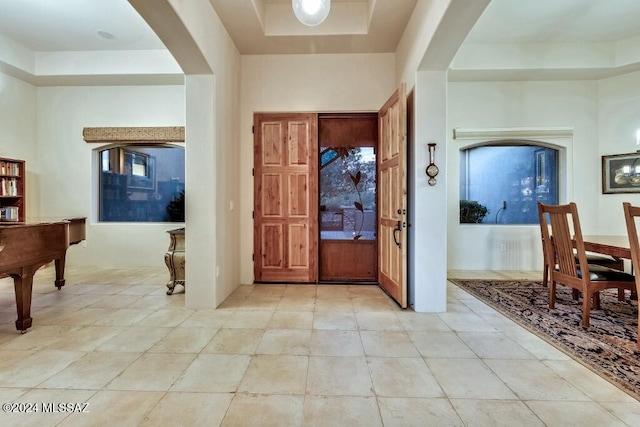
[(502, 184), (347, 193), (141, 183)]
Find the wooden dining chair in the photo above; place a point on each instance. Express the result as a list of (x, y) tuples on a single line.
[(630, 214), (588, 279)]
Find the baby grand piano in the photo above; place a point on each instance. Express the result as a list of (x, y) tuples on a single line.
[(27, 246)]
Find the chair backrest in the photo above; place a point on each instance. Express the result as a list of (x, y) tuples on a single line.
[(630, 214), (559, 233)]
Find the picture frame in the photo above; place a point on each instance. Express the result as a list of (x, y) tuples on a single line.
[(621, 173)]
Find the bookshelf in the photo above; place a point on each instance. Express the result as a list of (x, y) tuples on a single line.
[(12, 185)]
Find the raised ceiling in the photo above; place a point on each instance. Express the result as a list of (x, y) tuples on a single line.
[(353, 26)]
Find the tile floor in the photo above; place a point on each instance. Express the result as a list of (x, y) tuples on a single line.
[(284, 355)]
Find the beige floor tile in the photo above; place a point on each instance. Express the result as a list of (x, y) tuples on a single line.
[(334, 304), (336, 343), (124, 317), (377, 304), (276, 374), (213, 373), (208, 318), (154, 302), (331, 292), (258, 319), (291, 320), (143, 290), (468, 379), (494, 345), (87, 338), (184, 340), (403, 377), (268, 290), (496, 384), (366, 291), (9, 357), (235, 341), (152, 372), (466, 322), (189, 409), (413, 321), (273, 410), (37, 337), (532, 379), (9, 394), (342, 376), (47, 402), (335, 320), (496, 413), (436, 344), (82, 374), (594, 386), (562, 414), (166, 318), (37, 368), (300, 291), (296, 304), (115, 408), (541, 349), (378, 321), (233, 302), (628, 412), (84, 316), (418, 412), (134, 339), (259, 303), (330, 411), (285, 341), (388, 344), (114, 301), (242, 291)]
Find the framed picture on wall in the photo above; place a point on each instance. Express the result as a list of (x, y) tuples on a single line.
[(621, 173)]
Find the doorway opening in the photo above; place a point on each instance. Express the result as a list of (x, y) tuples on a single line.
[(347, 197)]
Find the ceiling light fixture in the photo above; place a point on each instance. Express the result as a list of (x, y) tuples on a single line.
[(311, 12)]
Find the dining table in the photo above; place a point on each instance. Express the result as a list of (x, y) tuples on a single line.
[(615, 246)]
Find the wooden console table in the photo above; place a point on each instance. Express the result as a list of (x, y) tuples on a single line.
[(174, 258)]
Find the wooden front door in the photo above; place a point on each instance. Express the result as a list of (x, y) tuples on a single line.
[(285, 197), (392, 193)]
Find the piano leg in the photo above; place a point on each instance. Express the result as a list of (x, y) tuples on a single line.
[(23, 285), (59, 263)]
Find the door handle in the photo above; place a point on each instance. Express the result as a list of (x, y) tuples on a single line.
[(395, 230)]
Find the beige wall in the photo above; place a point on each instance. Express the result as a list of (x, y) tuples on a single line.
[(18, 132), (604, 116), (295, 83), (66, 166)]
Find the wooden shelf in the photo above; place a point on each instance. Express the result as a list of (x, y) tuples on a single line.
[(12, 190)]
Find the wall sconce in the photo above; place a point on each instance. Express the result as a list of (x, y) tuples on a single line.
[(311, 12), (432, 169)]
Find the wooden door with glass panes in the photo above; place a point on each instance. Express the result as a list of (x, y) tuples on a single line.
[(285, 197)]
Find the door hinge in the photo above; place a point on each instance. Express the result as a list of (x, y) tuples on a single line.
[(253, 257), (253, 129), (253, 171), (253, 214)]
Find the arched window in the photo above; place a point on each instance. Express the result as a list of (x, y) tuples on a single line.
[(141, 183), (502, 183)]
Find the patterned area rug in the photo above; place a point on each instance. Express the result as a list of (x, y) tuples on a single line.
[(607, 347)]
